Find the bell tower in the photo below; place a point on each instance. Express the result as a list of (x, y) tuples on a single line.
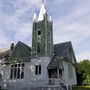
[(42, 34)]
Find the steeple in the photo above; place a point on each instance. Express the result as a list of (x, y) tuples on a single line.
[(42, 34), (42, 12)]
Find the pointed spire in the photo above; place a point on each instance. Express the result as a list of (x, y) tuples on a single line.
[(34, 17), (42, 11)]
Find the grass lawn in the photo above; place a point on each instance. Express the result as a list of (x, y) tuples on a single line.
[(82, 88)]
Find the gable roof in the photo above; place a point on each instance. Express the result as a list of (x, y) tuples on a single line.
[(21, 52), (55, 63), (28, 48), (61, 48), (62, 52)]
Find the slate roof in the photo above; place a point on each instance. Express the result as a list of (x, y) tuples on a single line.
[(55, 63), (9, 52), (26, 46), (61, 51)]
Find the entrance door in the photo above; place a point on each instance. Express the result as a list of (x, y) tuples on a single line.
[(52, 76), (52, 73)]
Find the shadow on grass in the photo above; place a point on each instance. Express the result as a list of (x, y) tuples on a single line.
[(81, 88)]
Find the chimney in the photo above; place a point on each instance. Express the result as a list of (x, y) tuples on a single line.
[(12, 46)]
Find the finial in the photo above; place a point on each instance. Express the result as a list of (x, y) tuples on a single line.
[(42, 1), (34, 17), (50, 18)]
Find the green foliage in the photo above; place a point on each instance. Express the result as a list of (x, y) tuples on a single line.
[(83, 72)]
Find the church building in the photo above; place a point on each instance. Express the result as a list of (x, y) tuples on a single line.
[(42, 65)]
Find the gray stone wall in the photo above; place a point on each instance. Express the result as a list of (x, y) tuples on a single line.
[(65, 77), (30, 79)]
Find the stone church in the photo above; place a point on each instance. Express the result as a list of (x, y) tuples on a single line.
[(40, 66)]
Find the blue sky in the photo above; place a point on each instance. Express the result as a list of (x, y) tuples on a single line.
[(71, 20)]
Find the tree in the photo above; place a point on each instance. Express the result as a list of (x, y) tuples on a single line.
[(83, 72)]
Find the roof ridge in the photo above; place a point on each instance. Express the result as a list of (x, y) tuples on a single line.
[(63, 42)]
